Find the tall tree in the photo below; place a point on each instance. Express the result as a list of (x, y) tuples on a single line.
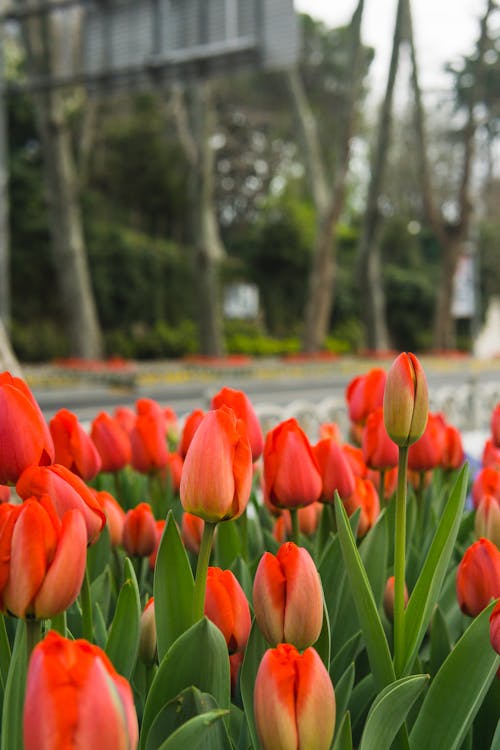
[(328, 191), (195, 121), (44, 39), (451, 234), (369, 256)]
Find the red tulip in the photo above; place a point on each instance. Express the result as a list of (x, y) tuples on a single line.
[(239, 402), (364, 394), (159, 526), (379, 451), (453, 450), (495, 425), (76, 699), (487, 521), (42, 558), (115, 516), (356, 461), (24, 435), (487, 482), (217, 473), (389, 598), (74, 449), (406, 400), (478, 577), (112, 442), (330, 430), (227, 607), (427, 452), (125, 416), (148, 440), (139, 531), (4, 493), (390, 482), (235, 662), (294, 701), (67, 492), (286, 586), (495, 628), (192, 532), (491, 455), (365, 496), (171, 423), (335, 470), (172, 471), (190, 426), (291, 473)]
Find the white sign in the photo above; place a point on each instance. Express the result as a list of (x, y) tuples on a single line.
[(463, 303), (241, 301)]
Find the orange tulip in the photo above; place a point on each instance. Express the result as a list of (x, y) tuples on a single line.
[(192, 532), (356, 461), (139, 531), (67, 492), (42, 558), (285, 587), (308, 518), (406, 400), (125, 416), (491, 455), (487, 521), (379, 451), (4, 493), (24, 435), (294, 701), (112, 442), (239, 402), (427, 452), (147, 638), (292, 476), (453, 450), (191, 424), (159, 526), (115, 515), (365, 496), (217, 473), (495, 629), (495, 425), (172, 471), (335, 470), (227, 607), (74, 449), (76, 699), (389, 598), (478, 577), (364, 394), (487, 482), (148, 439)]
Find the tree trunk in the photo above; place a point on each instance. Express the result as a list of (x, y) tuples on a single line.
[(372, 292), (195, 127), (61, 184), (8, 360), (444, 336), (328, 201)]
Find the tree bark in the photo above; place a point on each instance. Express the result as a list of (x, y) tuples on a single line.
[(195, 125), (328, 200), (61, 184), (8, 360), (372, 292)]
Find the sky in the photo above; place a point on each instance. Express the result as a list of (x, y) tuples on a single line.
[(444, 30)]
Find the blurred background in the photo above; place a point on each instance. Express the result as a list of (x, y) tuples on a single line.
[(248, 177)]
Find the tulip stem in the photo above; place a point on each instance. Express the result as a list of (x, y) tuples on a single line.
[(295, 525), (243, 524), (33, 632), (400, 563), (200, 582), (86, 602)]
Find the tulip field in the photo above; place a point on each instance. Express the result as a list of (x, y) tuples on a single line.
[(169, 584)]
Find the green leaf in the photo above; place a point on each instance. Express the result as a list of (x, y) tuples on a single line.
[(255, 650), (173, 588), (427, 589), (190, 703), (373, 551), (345, 656), (369, 620), (227, 544), (98, 554), (389, 711), (242, 573), (5, 653), (193, 734), (332, 573), (198, 657), (495, 745), (457, 691), (440, 641), (322, 645), (361, 696), (343, 737), (12, 711), (123, 637), (343, 690)]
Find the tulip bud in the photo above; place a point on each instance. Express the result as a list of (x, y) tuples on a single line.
[(478, 577), (286, 586), (487, 482), (365, 496), (379, 451), (427, 452), (364, 394), (291, 473), (74, 449), (217, 473), (239, 402), (335, 470), (487, 521), (115, 515), (191, 424), (192, 532), (453, 450), (495, 627), (227, 607), (389, 598), (75, 698), (406, 400), (42, 558), (159, 527), (112, 442), (294, 701), (147, 638), (139, 531)]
